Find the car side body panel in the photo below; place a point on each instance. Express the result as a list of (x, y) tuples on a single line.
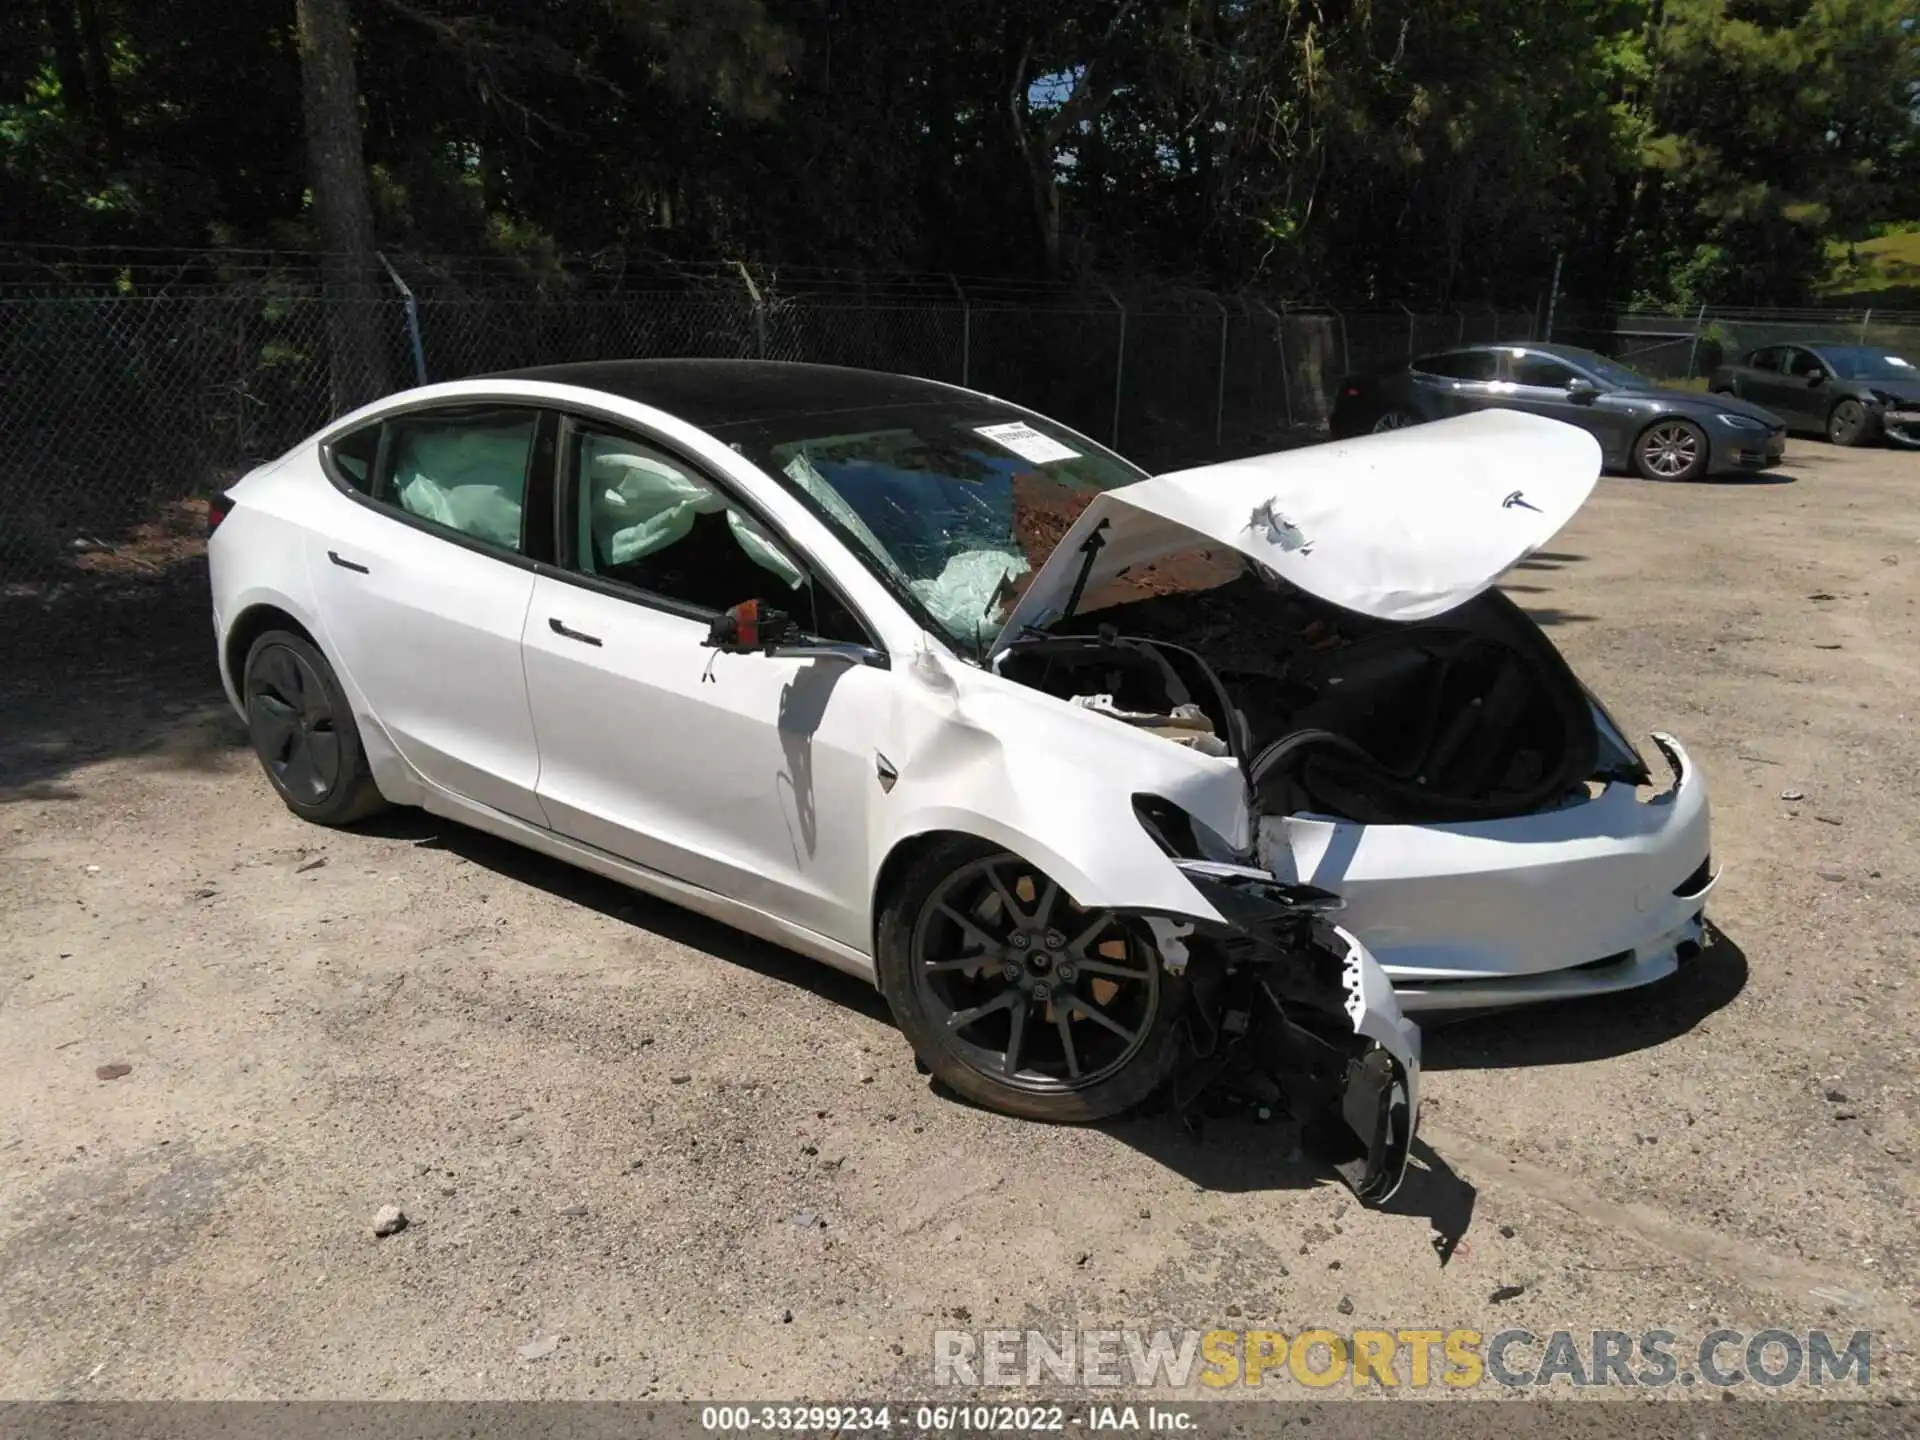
[(979, 755)]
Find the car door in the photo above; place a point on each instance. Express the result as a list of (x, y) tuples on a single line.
[(1804, 388), (750, 775), (423, 572), (1542, 384), (1454, 382), (1754, 375)]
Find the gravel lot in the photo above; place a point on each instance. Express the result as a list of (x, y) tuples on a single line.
[(642, 1155)]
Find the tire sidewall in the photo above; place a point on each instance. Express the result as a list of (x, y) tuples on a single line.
[(353, 795), (894, 959), (1859, 436), (1693, 472)]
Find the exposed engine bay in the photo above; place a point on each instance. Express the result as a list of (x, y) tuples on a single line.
[(1471, 716)]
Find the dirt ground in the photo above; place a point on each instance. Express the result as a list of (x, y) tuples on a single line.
[(667, 1160)]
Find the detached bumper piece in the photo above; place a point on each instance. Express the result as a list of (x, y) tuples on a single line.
[(1287, 1005)]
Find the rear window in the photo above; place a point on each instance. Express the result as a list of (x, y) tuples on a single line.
[(354, 455)]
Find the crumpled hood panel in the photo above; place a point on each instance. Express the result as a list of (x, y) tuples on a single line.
[(1400, 526)]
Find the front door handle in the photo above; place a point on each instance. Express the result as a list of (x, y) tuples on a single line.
[(560, 627), (334, 556)]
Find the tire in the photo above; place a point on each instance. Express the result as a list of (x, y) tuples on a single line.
[(1849, 424), (1671, 449), (1393, 420), (953, 903), (302, 729)]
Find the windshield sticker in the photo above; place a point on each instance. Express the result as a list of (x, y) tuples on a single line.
[(1027, 442)]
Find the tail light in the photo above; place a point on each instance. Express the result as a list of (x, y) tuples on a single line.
[(1351, 391), (218, 509)]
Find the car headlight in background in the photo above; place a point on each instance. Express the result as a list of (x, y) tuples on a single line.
[(1741, 422)]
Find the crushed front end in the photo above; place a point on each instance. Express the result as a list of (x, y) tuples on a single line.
[(1284, 1000)]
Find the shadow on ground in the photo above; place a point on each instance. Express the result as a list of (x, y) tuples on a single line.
[(608, 897), (1758, 477), (1574, 1032), (105, 668)]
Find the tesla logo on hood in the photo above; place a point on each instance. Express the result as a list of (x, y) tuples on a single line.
[(1520, 500)]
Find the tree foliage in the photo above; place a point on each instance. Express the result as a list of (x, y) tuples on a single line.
[(1365, 151)]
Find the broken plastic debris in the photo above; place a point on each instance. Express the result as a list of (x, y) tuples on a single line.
[(1278, 528), (1185, 725)]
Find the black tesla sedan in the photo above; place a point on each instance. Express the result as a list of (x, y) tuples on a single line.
[(1663, 434), (1852, 394)]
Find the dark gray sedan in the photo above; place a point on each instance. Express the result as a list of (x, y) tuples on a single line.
[(1663, 434), (1852, 394)]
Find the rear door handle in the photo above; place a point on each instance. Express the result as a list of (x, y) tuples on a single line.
[(559, 627), (334, 556)]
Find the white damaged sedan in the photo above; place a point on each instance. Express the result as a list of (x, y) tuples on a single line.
[(1075, 764)]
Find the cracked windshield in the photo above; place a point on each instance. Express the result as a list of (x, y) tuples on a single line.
[(955, 508)]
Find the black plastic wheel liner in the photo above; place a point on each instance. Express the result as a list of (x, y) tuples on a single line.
[(1267, 1013)]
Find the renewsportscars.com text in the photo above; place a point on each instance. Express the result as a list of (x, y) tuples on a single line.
[(1415, 1359)]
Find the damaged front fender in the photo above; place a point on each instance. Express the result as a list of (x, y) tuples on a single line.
[(1283, 996)]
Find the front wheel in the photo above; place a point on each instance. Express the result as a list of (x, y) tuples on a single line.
[(1671, 450), (302, 729), (1848, 423), (1394, 420), (1019, 999)]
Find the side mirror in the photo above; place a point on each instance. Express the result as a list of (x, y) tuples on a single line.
[(1582, 391), (751, 626), (1815, 376)]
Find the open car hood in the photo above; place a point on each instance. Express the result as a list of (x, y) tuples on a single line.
[(1404, 525)]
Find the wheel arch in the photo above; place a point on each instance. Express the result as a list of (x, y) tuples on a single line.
[(248, 626), (910, 848), (1175, 895)]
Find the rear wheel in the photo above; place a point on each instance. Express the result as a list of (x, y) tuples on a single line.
[(302, 729), (1847, 423), (1394, 420), (1671, 450), (1016, 997)]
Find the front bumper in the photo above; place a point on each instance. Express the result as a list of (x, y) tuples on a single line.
[(1901, 424), (1737, 451), (1598, 895)]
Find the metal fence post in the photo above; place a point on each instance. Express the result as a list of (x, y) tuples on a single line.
[(1220, 390), (1553, 297), (1460, 327), (413, 320), (759, 309), (1863, 325), (1693, 350), (1280, 339), (966, 331), (1119, 364), (1346, 351), (1410, 327)]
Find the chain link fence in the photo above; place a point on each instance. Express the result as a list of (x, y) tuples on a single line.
[(118, 399)]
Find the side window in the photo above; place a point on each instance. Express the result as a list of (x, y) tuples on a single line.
[(1541, 370), (1460, 365), (354, 456), (1768, 359), (643, 519), (463, 470), (1802, 362)]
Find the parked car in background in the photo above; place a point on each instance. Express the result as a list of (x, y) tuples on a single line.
[(1852, 394), (1641, 425)]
